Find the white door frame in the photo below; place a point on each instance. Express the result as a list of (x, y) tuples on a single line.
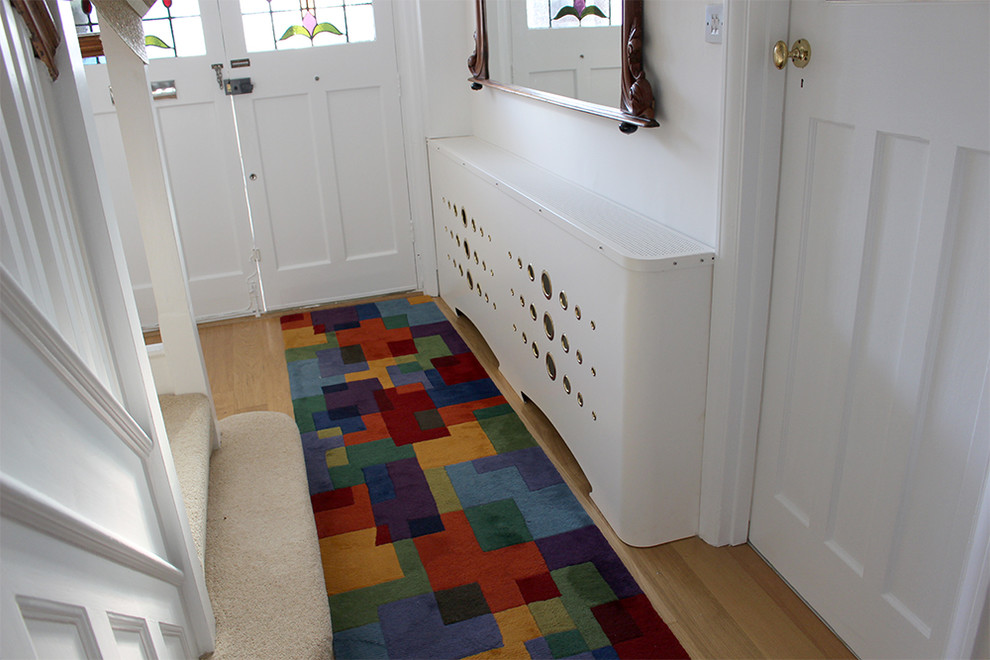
[(752, 121), (411, 60)]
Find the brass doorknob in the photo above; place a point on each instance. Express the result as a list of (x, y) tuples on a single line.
[(800, 54)]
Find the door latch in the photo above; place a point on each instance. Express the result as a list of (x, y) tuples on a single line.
[(800, 54), (235, 86)]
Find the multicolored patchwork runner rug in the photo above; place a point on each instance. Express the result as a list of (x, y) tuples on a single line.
[(445, 530)]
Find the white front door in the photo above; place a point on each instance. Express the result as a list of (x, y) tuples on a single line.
[(321, 137), (305, 174), (873, 443), (202, 161)]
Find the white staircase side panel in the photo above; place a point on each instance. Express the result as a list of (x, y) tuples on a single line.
[(96, 557)]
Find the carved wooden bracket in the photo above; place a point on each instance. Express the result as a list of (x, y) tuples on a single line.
[(478, 62), (45, 37), (637, 94)]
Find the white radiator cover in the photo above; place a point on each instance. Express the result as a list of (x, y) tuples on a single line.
[(628, 392)]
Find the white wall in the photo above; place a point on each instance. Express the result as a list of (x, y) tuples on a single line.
[(446, 27), (669, 173)]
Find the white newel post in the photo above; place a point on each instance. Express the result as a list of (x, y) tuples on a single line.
[(129, 79)]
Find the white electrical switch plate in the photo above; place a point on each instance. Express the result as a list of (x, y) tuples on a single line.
[(714, 24)]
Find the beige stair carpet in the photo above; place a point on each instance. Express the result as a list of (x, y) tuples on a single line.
[(189, 425), (263, 568)]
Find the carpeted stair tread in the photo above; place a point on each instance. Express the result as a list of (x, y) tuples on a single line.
[(263, 569), (189, 425)]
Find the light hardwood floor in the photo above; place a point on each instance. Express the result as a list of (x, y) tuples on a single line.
[(720, 602)]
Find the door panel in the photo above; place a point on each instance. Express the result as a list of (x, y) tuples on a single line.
[(356, 117), (207, 194), (873, 444), (294, 195)]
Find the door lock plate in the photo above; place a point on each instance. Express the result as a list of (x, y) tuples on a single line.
[(800, 54), (235, 86)]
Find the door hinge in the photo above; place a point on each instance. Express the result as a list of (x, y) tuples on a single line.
[(256, 255)]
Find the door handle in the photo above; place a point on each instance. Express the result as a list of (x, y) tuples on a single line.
[(163, 89), (800, 54)]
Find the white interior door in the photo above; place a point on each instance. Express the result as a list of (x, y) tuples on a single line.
[(321, 138), (873, 443)]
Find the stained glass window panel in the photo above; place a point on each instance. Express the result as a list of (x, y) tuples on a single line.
[(159, 11), (172, 28), (334, 16), (538, 14), (189, 39), (84, 16), (258, 32), (543, 14), (361, 22), (182, 8), (85, 19), (289, 24)]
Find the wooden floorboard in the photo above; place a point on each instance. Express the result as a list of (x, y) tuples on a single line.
[(719, 602), (246, 365)]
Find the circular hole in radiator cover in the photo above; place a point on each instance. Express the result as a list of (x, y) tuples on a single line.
[(546, 285)]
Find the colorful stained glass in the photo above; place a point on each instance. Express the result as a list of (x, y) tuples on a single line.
[(172, 28), (84, 17), (579, 10), (289, 24), (543, 14), (152, 40), (310, 26)]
